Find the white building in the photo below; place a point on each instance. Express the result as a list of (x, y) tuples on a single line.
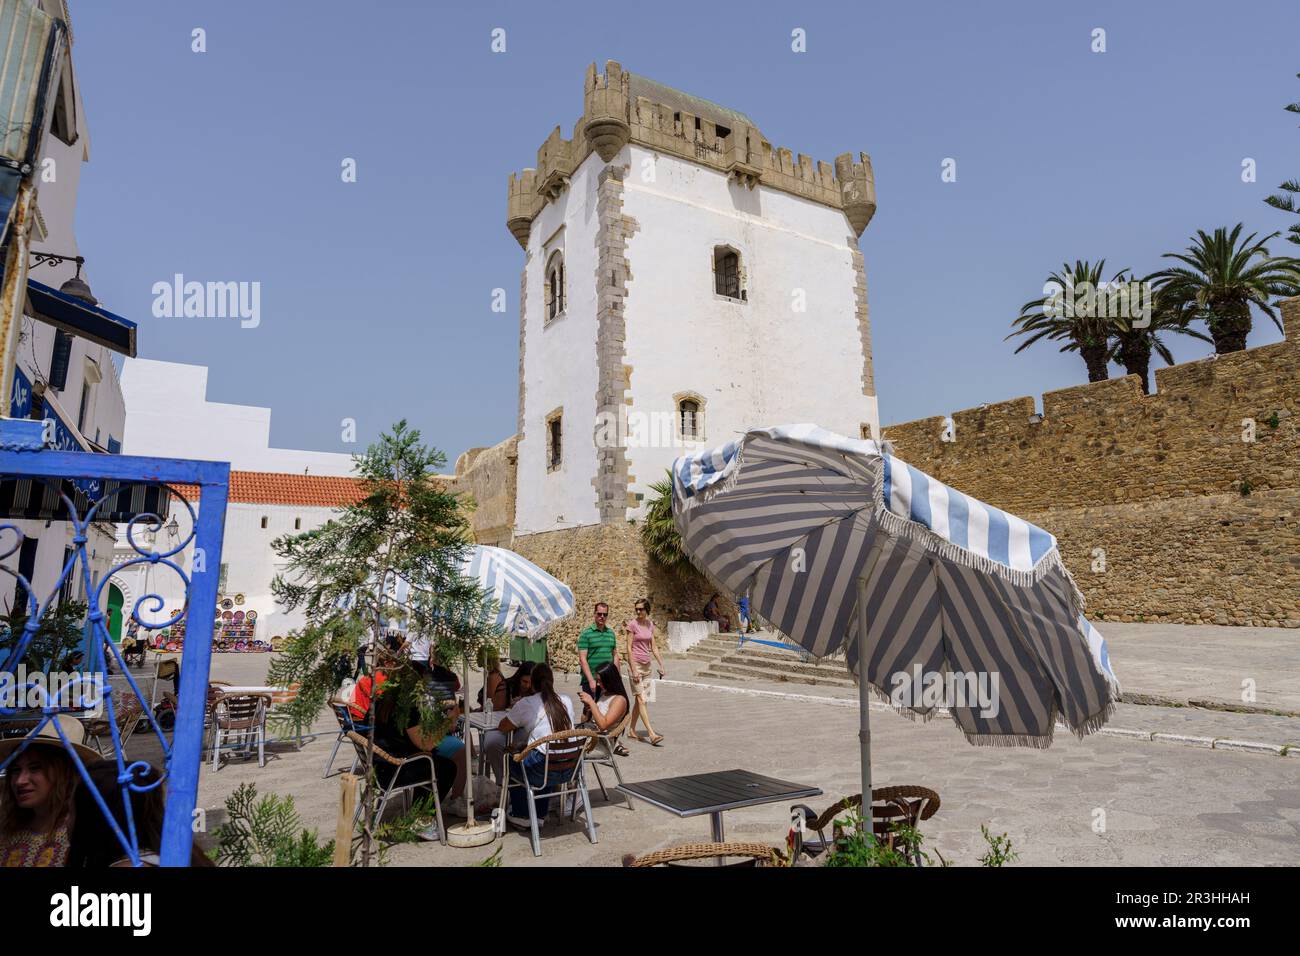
[(262, 507), (171, 417), (62, 375), (684, 280), (273, 491)]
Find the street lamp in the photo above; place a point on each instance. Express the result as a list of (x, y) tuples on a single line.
[(76, 286)]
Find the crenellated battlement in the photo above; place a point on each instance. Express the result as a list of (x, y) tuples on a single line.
[(1105, 443), (616, 111)]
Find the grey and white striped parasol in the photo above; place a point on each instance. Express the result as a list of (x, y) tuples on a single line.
[(808, 521)]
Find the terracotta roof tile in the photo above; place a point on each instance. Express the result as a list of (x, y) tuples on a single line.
[(275, 488)]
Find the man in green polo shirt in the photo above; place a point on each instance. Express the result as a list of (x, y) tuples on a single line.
[(597, 646)]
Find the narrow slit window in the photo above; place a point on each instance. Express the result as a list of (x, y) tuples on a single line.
[(554, 442)]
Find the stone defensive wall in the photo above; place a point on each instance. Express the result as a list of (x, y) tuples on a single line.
[(1181, 506)]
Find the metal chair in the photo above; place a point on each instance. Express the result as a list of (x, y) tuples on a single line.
[(601, 754), (419, 782), (241, 716), (347, 724), (562, 775), (755, 854), (907, 805)]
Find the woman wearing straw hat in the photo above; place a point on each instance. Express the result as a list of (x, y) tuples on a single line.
[(36, 797)]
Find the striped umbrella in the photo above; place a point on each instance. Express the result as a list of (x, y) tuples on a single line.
[(529, 600), (966, 605)]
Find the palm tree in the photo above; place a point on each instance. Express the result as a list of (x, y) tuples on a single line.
[(1288, 200), (1133, 342), (1221, 278), (1071, 315), (659, 534)]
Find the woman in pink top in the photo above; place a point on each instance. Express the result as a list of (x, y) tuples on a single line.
[(640, 646)]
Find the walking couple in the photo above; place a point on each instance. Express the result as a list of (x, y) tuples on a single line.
[(598, 645)]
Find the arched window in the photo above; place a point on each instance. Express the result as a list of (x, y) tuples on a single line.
[(690, 416), (555, 286), (726, 273)]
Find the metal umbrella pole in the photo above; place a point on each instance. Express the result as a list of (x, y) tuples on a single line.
[(864, 695)]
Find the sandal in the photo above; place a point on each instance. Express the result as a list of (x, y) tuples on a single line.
[(656, 740), (621, 750)]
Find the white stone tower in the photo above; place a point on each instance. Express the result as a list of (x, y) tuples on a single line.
[(684, 280)]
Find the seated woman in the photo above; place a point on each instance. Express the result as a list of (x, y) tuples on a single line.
[(539, 715), (608, 712), (94, 844), (37, 794), (520, 683), (518, 686), (494, 682), (443, 686)]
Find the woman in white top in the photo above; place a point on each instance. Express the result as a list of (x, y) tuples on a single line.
[(541, 714)]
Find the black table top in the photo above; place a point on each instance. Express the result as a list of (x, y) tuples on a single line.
[(714, 792)]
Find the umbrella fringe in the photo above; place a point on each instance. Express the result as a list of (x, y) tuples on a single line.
[(1089, 725), (903, 710), (1095, 722), (1040, 742)]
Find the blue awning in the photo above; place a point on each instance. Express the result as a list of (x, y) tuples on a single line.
[(79, 317)]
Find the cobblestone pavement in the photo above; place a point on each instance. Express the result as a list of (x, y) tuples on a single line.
[(1104, 800), (1204, 661)]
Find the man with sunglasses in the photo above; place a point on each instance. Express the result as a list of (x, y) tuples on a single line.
[(597, 646)]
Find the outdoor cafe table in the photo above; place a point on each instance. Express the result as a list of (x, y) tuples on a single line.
[(716, 792)]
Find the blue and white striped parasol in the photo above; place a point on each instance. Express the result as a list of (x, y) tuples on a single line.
[(529, 600)]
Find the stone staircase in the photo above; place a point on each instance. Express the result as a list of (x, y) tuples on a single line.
[(725, 659)]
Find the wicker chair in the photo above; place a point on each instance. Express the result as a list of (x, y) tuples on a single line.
[(563, 775), (755, 854), (906, 805), (419, 782), (127, 711)]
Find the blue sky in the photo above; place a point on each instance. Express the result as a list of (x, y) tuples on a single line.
[(376, 295)]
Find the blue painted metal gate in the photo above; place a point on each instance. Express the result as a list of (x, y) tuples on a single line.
[(88, 487)]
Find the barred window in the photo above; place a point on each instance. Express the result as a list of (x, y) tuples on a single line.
[(688, 413), (726, 273)]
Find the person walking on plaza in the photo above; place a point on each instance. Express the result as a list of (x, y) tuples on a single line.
[(597, 645), (640, 646)]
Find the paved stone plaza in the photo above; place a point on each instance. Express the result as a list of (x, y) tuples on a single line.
[(1165, 803)]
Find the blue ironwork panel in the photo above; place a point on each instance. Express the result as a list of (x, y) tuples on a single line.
[(23, 459)]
